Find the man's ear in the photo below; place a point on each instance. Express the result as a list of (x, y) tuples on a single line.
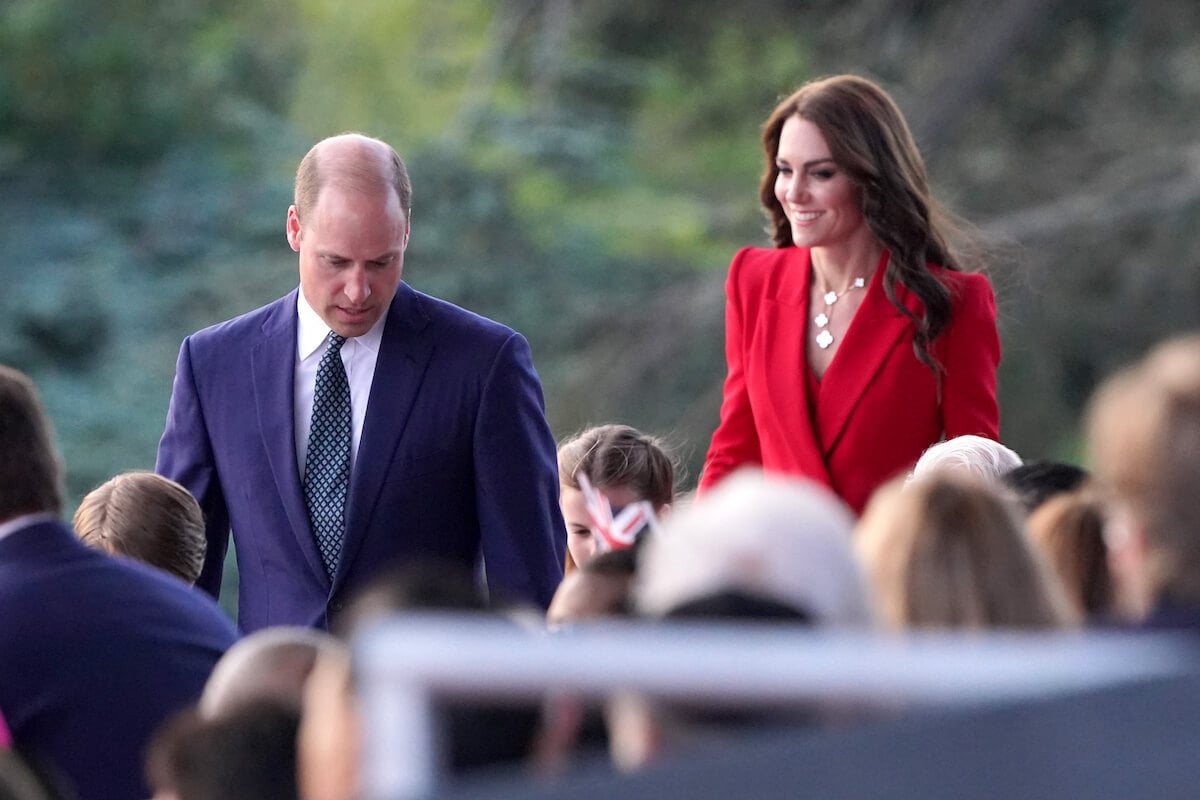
[(293, 229)]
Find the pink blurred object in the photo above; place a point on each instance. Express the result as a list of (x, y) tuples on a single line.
[(5, 737), (620, 531)]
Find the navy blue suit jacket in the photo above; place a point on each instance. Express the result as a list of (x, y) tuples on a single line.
[(455, 456), (96, 653)]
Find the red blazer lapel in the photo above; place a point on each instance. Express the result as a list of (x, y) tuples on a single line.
[(877, 329), (784, 326)]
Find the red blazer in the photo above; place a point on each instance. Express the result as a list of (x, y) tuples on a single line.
[(878, 407)]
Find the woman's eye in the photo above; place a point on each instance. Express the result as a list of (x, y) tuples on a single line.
[(822, 174), (581, 532)]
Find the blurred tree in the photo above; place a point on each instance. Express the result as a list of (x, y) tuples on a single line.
[(122, 82), (584, 171), (133, 166)]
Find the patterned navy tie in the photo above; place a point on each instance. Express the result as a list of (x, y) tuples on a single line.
[(327, 466)]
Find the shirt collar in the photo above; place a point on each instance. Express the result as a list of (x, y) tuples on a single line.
[(311, 330)]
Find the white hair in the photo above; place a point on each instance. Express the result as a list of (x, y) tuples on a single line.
[(975, 455)]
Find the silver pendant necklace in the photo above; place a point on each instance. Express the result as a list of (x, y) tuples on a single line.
[(824, 337)]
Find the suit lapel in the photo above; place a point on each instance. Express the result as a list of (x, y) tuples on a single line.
[(273, 362), (404, 353), (876, 330), (784, 326)]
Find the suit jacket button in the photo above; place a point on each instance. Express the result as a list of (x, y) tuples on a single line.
[(336, 605)]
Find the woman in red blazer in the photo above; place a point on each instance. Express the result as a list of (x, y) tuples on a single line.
[(857, 341)]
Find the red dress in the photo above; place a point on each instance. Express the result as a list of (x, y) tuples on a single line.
[(878, 407)]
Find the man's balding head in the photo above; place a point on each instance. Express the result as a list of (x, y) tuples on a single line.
[(353, 161), (350, 226)]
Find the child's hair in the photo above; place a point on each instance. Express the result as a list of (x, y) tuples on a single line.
[(618, 455), (146, 517)]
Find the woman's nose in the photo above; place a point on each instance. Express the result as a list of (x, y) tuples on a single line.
[(797, 189)]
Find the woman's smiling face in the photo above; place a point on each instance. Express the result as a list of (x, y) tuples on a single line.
[(820, 200)]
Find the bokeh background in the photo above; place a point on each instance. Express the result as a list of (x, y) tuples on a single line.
[(583, 170)]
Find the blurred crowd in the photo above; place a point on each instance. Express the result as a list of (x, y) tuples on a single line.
[(974, 537)]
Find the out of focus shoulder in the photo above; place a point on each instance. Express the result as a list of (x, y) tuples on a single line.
[(754, 264)]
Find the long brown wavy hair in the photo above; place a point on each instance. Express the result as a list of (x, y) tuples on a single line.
[(869, 139)]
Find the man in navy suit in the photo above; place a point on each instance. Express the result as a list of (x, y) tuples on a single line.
[(95, 652), (450, 454)]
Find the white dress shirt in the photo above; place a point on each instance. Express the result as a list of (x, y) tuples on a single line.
[(358, 356)]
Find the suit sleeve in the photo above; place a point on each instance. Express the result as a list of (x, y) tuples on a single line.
[(516, 481), (735, 441), (185, 456), (971, 358)]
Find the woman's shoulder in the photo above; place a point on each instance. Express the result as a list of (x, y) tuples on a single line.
[(765, 256), (759, 263), (968, 286), (767, 271), (970, 292)]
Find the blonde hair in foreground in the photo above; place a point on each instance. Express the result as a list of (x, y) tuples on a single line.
[(947, 551), (1143, 431)]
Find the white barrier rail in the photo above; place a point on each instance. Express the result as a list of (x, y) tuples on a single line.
[(405, 662)]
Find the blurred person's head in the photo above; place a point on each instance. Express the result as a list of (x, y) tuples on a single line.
[(600, 589), (967, 455), (949, 551), (772, 538), (329, 741), (269, 664), (148, 518), (476, 734), (623, 464), (248, 753), (31, 471), (426, 584), (1069, 530), (1143, 432), (1035, 482), (757, 549)]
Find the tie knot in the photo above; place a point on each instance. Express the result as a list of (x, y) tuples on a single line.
[(336, 340)]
